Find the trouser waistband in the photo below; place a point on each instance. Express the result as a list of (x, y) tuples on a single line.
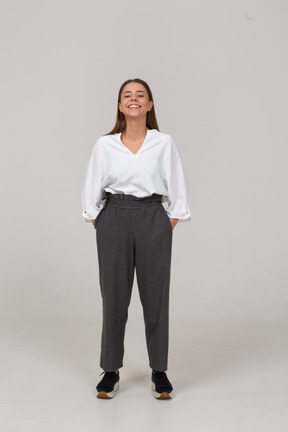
[(128, 201)]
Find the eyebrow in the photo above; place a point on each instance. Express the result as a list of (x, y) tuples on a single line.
[(137, 91)]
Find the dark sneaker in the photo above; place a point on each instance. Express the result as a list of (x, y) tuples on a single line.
[(108, 385), (161, 386)]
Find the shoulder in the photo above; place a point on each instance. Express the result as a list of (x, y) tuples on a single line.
[(104, 140), (167, 140), (164, 138)]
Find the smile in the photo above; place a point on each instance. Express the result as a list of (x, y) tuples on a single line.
[(134, 106)]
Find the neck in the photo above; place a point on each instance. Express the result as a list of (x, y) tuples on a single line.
[(135, 128)]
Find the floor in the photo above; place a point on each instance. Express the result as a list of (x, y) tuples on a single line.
[(227, 377)]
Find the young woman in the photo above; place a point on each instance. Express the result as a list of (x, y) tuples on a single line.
[(131, 172)]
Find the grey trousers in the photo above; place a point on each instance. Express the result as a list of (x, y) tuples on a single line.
[(134, 233)]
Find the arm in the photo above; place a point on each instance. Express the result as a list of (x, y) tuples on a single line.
[(91, 190), (177, 185)]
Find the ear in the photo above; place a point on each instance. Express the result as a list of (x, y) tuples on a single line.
[(150, 105)]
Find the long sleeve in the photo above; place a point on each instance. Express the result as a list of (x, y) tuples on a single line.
[(92, 190), (177, 185)]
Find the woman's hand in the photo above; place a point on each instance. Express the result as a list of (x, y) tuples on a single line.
[(173, 222), (93, 222)]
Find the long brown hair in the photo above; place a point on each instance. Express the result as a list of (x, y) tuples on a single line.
[(151, 121)]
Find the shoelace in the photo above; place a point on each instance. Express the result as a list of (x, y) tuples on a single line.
[(161, 377), (107, 381), (162, 382)]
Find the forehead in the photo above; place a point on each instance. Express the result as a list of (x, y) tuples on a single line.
[(134, 87)]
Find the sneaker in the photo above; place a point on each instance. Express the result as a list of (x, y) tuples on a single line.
[(108, 385), (161, 386)]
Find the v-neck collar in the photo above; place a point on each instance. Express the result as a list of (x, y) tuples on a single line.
[(131, 153)]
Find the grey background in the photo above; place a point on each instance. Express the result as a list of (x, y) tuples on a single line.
[(218, 73)]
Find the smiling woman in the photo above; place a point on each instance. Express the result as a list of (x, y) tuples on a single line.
[(133, 170), (135, 102), (143, 93)]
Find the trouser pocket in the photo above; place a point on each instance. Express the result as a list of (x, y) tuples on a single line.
[(96, 221), (166, 217)]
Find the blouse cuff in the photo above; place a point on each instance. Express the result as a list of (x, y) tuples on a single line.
[(181, 217), (91, 213)]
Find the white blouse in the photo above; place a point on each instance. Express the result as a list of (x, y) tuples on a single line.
[(155, 168)]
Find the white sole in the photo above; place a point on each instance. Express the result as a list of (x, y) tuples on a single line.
[(162, 396), (110, 395)]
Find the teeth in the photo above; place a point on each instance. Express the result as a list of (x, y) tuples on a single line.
[(134, 106)]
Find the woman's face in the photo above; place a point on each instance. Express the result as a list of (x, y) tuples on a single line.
[(134, 101)]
